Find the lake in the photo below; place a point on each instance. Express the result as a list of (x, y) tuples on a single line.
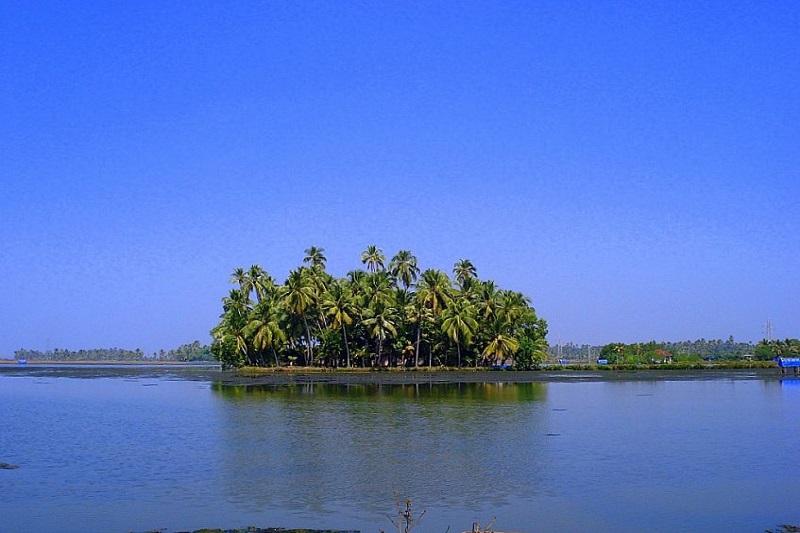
[(125, 449)]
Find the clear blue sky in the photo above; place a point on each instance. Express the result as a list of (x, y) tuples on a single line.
[(634, 167)]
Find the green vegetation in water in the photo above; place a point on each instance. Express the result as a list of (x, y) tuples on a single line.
[(384, 316)]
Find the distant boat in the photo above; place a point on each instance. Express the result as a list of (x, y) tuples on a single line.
[(22, 361)]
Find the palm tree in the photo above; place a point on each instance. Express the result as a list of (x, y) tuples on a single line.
[(313, 313), (376, 288), (230, 332), (315, 257), (298, 296), (264, 327), (511, 305), (380, 323), (433, 292), (338, 304), (459, 323), (356, 276), (486, 296), (403, 267), (321, 281), (239, 277), (464, 270), (502, 344), (260, 281), (373, 257)]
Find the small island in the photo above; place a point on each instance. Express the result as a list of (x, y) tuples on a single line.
[(382, 316)]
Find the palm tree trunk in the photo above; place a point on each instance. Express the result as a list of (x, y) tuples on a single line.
[(346, 347), (308, 342), (275, 354), (416, 347), (458, 348)]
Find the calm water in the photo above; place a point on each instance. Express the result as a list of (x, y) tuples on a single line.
[(143, 453)]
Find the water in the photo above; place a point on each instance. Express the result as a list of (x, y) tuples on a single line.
[(138, 451)]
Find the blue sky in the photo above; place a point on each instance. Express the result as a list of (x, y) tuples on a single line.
[(631, 166)]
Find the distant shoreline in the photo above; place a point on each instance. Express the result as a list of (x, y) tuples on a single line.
[(300, 376), (109, 362)]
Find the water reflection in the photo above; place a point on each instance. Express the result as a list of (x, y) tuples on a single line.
[(317, 447)]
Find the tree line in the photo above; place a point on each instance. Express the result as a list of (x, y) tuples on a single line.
[(717, 349), (655, 352), (185, 353), (387, 314), (770, 349)]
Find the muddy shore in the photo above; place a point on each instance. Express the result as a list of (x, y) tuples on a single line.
[(238, 378)]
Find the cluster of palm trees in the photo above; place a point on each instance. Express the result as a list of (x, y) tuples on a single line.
[(769, 349), (386, 315)]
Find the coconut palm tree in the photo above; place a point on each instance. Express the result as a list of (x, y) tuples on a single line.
[(298, 296), (377, 288), (230, 332), (459, 323), (502, 344), (403, 267), (315, 257), (380, 324), (313, 313), (486, 296), (239, 277), (265, 329), (433, 292), (511, 305), (373, 257), (338, 304), (464, 270), (260, 281)]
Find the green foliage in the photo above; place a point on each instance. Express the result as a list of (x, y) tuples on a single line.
[(770, 349), (192, 352), (714, 349), (378, 317)]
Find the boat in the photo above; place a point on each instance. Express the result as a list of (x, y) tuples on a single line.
[(22, 361)]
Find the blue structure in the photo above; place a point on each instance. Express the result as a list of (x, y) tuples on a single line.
[(788, 362)]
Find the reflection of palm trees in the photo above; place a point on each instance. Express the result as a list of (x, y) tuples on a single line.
[(262, 430)]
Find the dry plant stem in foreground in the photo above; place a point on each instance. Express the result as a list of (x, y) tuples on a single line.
[(405, 521)]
